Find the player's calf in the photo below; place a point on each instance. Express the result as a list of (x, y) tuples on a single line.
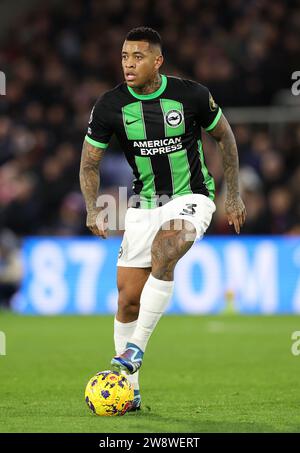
[(130, 285), (128, 309), (128, 303)]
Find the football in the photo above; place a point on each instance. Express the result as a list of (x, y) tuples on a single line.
[(109, 393)]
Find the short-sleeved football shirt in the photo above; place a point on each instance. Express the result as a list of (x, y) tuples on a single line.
[(160, 134)]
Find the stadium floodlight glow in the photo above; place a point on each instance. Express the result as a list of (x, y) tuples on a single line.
[(2, 84)]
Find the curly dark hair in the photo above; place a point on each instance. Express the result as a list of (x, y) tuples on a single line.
[(144, 34)]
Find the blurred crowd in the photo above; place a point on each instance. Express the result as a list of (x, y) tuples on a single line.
[(58, 60)]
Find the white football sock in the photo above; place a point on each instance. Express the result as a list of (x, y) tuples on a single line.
[(122, 334), (155, 297)]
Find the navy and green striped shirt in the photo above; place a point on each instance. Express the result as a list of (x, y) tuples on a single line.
[(160, 134)]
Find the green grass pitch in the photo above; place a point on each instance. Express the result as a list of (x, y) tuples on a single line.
[(224, 373)]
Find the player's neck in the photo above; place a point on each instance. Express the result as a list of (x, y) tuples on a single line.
[(151, 86)]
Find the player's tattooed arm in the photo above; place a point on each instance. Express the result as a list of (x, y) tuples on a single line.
[(234, 206), (89, 182)]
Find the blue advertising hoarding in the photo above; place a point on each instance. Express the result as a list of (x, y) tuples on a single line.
[(245, 274)]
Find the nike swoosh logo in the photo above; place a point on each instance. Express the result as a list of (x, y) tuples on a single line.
[(131, 122), (134, 355)]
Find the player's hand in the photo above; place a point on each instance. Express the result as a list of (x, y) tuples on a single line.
[(235, 211), (96, 222)]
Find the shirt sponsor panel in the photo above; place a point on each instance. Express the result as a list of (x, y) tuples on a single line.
[(163, 146)]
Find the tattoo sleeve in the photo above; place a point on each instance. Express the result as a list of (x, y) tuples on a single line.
[(89, 174), (223, 134)]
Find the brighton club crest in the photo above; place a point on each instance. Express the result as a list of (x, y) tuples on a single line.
[(174, 118)]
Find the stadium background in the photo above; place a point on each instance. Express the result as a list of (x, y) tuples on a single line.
[(58, 57)]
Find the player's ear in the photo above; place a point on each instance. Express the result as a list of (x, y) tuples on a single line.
[(159, 61)]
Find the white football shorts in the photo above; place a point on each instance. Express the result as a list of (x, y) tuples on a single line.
[(141, 226)]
